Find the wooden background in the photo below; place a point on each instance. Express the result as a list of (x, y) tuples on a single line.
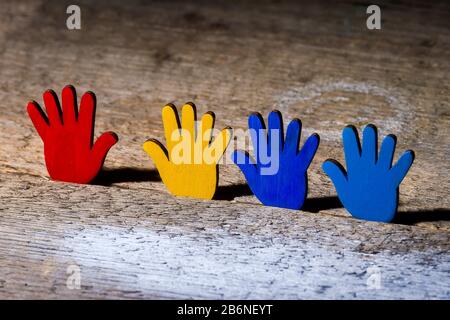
[(312, 60)]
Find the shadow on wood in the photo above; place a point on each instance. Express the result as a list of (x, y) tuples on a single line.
[(315, 205), (232, 191), (412, 217), (107, 177)]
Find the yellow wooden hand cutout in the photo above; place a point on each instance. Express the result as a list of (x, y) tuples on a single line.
[(188, 167)]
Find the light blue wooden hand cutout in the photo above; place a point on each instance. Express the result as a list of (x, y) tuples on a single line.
[(369, 189)]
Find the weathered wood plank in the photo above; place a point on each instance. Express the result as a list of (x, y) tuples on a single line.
[(132, 239), (128, 245)]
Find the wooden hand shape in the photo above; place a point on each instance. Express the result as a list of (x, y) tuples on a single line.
[(70, 154), (188, 167), (287, 187), (370, 187)]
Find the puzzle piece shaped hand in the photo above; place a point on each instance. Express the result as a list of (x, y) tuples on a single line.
[(369, 188), (188, 165), (68, 136), (278, 175)]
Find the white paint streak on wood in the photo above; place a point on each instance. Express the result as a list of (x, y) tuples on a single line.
[(317, 95), (226, 267)]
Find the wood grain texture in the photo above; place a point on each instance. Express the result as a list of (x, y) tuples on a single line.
[(132, 239)]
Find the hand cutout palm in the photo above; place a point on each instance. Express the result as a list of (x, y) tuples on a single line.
[(369, 188), (70, 154), (278, 175), (188, 167)]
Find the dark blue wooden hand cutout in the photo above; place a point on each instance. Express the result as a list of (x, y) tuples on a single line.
[(278, 175), (369, 189)]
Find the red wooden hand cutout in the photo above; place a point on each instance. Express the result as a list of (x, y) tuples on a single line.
[(68, 136)]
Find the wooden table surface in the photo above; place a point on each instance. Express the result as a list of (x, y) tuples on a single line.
[(317, 61)]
